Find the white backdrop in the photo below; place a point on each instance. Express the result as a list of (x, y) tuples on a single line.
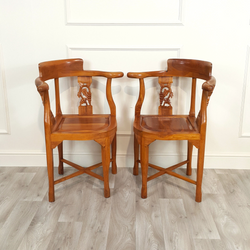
[(125, 36)]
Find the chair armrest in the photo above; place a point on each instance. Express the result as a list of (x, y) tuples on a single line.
[(208, 88), (41, 85), (146, 74), (99, 73), (43, 89), (209, 85)]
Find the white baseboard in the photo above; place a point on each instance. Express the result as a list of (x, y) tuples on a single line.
[(37, 159)]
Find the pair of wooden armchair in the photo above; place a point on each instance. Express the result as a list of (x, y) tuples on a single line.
[(102, 127)]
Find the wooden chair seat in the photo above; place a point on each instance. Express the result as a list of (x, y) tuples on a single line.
[(82, 126), (177, 127)]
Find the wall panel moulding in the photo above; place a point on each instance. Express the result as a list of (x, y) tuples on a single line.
[(125, 12), (245, 108), (4, 113)]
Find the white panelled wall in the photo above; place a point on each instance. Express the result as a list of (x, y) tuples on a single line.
[(114, 35)]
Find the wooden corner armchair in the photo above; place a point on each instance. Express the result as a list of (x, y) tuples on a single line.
[(165, 126), (82, 126)]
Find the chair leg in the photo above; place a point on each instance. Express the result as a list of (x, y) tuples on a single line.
[(136, 156), (105, 164), (144, 169), (50, 167), (114, 166), (60, 154), (200, 166), (189, 158)]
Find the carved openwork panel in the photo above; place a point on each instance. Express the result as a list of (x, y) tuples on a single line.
[(166, 94), (84, 94)]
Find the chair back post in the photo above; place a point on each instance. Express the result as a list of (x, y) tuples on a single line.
[(140, 99), (57, 97), (193, 95), (202, 117), (49, 119), (109, 97), (43, 90)]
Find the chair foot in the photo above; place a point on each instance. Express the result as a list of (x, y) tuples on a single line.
[(198, 198), (135, 170), (51, 197), (60, 168), (144, 194), (114, 168), (107, 193), (189, 171)]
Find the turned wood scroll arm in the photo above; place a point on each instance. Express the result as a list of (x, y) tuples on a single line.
[(110, 100), (208, 88), (43, 89), (209, 85), (41, 85)]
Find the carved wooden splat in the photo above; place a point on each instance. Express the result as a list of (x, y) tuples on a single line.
[(166, 94), (84, 93)]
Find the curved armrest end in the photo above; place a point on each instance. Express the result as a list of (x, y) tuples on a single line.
[(114, 74), (41, 85), (209, 85), (135, 75)]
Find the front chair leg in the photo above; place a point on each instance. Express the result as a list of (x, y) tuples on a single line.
[(144, 169), (200, 166), (50, 167), (136, 156), (114, 166), (105, 164), (60, 156)]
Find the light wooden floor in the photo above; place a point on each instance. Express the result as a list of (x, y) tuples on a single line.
[(81, 218)]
